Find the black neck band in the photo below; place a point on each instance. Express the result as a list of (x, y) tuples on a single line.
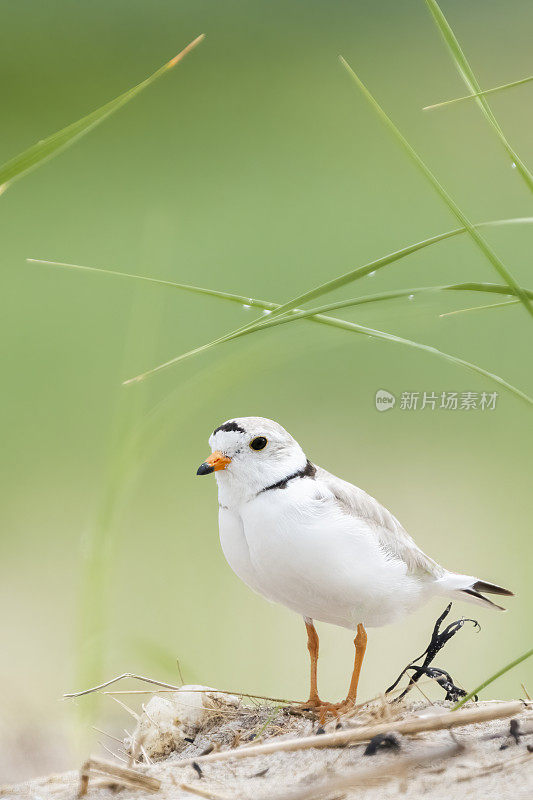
[(309, 471)]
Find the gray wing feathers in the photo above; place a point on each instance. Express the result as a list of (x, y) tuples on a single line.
[(392, 537)]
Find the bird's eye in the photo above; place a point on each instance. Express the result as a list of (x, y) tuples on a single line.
[(258, 443)]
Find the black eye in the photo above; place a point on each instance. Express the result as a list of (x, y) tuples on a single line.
[(258, 443)]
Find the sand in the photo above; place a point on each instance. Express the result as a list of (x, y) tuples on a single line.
[(476, 761)]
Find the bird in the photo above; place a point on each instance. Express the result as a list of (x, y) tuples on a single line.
[(319, 545)]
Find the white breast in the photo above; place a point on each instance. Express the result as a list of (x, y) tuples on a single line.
[(296, 547), (235, 547)]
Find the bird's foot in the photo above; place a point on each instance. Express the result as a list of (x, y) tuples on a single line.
[(322, 708), (346, 706)]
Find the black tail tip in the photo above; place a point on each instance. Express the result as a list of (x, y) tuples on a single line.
[(491, 588)]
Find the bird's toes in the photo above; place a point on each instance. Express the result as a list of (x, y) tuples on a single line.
[(321, 709)]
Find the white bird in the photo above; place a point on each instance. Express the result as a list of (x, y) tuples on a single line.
[(317, 544)]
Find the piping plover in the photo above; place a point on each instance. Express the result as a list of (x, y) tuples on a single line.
[(302, 537)]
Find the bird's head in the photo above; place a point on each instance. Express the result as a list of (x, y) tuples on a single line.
[(249, 454)]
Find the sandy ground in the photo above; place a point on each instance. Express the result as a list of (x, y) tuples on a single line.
[(492, 765)]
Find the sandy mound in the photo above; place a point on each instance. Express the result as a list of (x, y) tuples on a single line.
[(202, 743)]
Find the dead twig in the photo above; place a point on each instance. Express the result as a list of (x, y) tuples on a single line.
[(170, 686), (105, 733), (363, 733), (116, 774), (121, 678), (111, 753), (130, 711), (201, 792)]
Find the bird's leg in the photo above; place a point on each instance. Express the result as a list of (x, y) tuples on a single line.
[(360, 647), (314, 703), (312, 646)]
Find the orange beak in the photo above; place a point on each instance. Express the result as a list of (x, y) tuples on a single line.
[(215, 462)]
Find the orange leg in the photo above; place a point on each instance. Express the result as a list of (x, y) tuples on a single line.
[(314, 701), (360, 647), (312, 646)]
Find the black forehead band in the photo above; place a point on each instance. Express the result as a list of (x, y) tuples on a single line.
[(229, 426)]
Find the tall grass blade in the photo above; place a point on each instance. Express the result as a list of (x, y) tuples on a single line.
[(468, 76), (480, 308), (354, 328), (492, 678), (393, 294), (384, 261), (328, 286), (236, 298), (335, 283), (315, 315), (265, 305), (452, 205), (479, 94), (101, 539), (38, 153), (312, 314)]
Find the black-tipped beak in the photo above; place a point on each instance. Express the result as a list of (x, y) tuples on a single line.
[(205, 469), (214, 462)]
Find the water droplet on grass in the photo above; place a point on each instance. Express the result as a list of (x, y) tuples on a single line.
[(513, 165), (411, 297), (267, 311)]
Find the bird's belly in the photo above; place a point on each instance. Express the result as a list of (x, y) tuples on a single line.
[(327, 568)]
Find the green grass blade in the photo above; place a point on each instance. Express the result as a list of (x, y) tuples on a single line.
[(394, 294), (266, 305), (38, 153), (480, 308), (100, 543), (323, 288), (349, 326), (468, 76), (313, 315), (384, 261), (328, 286), (479, 94), (235, 298), (452, 205), (354, 328), (492, 678)]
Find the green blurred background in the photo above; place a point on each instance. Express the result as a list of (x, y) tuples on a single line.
[(254, 167)]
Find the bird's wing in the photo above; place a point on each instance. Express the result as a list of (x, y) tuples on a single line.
[(392, 537)]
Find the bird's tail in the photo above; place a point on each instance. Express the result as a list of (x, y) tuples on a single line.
[(470, 589)]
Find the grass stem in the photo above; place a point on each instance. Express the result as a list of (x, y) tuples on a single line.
[(467, 74), (500, 88), (492, 678), (42, 151), (441, 191)]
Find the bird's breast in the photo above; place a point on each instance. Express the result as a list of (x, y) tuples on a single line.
[(296, 547)]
